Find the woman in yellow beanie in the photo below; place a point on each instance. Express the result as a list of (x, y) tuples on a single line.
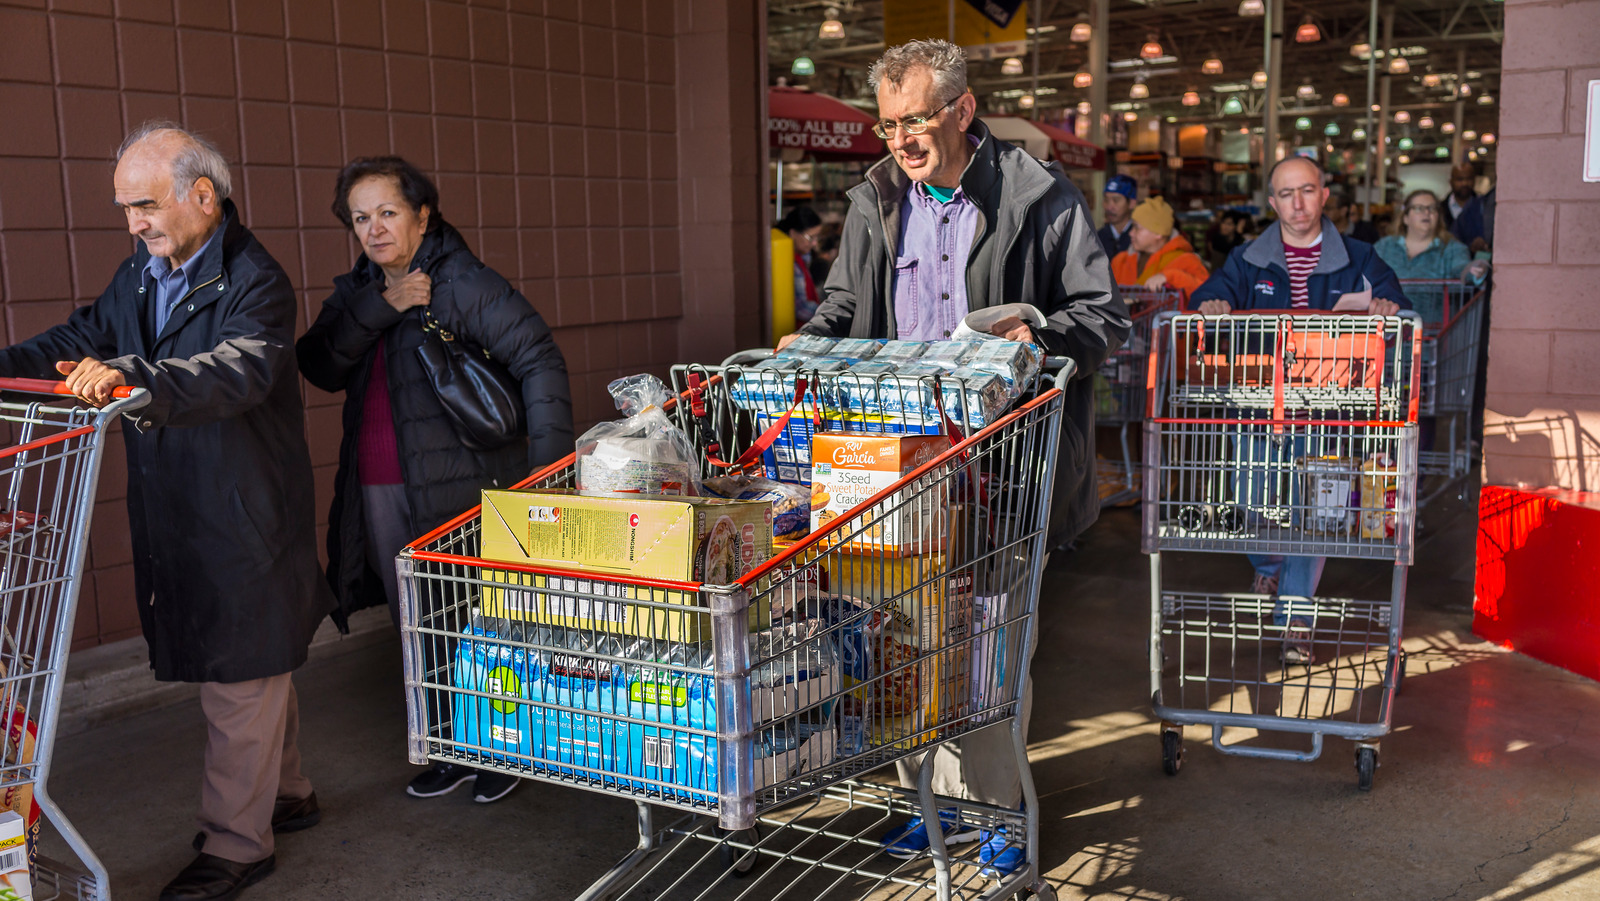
[(1158, 254)]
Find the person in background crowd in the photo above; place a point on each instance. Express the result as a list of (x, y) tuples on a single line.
[(1463, 179), (1475, 226), (827, 251), (1343, 214), (402, 469), (953, 221), (1223, 237), (1159, 256), (803, 226), (220, 494), (1122, 192), (1301, 262), (1421, 249)]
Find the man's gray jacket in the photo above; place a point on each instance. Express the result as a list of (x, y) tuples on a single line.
[(1035, 244)]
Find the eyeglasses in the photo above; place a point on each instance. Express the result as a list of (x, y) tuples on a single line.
[(1430, 208), (914, 125)]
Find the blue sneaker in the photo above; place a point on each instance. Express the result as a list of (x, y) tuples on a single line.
[(999, 856), (910, 840)]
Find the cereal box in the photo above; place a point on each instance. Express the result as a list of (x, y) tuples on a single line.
[(1379, 479), (708, 540), (848, 468)]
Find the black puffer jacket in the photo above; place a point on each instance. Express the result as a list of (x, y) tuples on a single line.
[(442, 477)]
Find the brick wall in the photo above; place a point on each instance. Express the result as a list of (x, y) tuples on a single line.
[(1543, 392), (565, 139)]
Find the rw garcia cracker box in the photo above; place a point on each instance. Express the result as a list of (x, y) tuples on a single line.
[(687, 539), (850, 467)]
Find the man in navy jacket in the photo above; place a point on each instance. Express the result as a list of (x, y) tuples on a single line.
[(1300, 262)]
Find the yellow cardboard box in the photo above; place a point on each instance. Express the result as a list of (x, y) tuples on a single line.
[(708, 540)]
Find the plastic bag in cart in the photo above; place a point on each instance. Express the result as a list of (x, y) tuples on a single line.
[(643, 454)]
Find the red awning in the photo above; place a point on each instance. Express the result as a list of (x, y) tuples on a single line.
[(824, 127), (1047, 141)]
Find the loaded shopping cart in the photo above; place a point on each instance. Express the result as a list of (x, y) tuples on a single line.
[(741, 712), (1120, 389), (1294, 436), (49, 467), (1452, 331)]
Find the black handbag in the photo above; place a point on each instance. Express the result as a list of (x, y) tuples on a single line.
[(482, 400)]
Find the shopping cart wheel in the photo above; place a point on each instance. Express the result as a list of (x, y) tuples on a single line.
[(1171, 751), (737, 861), (1366, 763), (1043, 891)]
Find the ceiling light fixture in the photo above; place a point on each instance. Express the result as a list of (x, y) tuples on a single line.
[(1191, 98), (1012, 66), (1399, 66), (1084, 107), (832, 29), (1232, 106), (1485, 99), (1305, 91), (1308, 32), (1448, 128), (1302, 124), (1025, 101), (1151, 49), (1081, 32), (1341, 99), (1130, 116), (803, 66), (1488, 137), (1212, 66), (1402, 117), (1252, 8), (1431, 80), (1259, 79), (1082, 80), (1425, 122), (1139, 91)]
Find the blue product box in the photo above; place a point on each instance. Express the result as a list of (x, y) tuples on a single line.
[(507, 726)]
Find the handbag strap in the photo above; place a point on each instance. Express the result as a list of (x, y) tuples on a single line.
[(430, 323)]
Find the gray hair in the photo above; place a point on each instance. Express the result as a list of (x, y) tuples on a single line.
[(197, 158), (945, 60)]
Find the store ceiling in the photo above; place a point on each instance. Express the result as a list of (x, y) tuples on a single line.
[(1435, 32)]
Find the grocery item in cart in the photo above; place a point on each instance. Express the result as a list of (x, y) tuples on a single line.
[(505, 670), (1015, 362), (1330, 485), (900, 351), (1380, 480), (791, 503), (855, 349), (22, 735), (810, 346), (16, 883), (645, 453), (579, 685), (848, 468)]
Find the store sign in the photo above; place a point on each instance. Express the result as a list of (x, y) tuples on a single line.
[(822, 135), (1000, 12), (1591, 135), (985, 28)]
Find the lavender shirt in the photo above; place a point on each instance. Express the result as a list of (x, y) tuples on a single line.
[(930, 273)]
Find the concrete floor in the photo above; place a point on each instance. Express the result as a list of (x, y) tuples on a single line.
[(1486, 787)]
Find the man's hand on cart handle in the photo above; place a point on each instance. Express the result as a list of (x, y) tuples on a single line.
[(787, 340), (1381, 307), (1217, 307), (1012, 329), (91, 380)]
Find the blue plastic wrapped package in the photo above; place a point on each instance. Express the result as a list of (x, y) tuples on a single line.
[(948, 354), (901, 351), (1013, 361), (508, 725), (810, 346), (856, 349), (856, 389), (579, 686), (768, 384), (674, 697), (974, 398)]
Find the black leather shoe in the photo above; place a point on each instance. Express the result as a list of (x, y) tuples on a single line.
[(295, 814), (210, 878)]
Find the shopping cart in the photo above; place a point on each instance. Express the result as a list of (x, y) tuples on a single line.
[(49, 468), (749, 710), (1280, 434), (1451, 331), (1119, 388)]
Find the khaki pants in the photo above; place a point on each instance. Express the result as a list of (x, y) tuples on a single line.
[(981, 766), (252, 760)]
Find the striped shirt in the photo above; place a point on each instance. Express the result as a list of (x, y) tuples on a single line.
[(1301, 262)]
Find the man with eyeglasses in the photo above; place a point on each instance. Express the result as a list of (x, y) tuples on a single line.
[(955, 221), (1301, 262)]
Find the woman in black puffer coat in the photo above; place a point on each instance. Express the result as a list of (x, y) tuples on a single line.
[(402, 469)]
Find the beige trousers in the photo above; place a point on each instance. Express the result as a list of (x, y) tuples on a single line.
[(252, 760)]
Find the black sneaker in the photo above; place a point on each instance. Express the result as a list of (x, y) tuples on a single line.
[(491, 787), (440, 779)]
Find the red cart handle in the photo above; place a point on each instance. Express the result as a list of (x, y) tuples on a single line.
[(50, 386)]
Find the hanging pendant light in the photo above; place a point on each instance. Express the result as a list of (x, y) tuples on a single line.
[(1485, 100), (1252, 8), (1488, 137), (1359, 134), (1441, 152), (1025, 101), (832, 29), (1402, 117), (1308, 32), (1425, 122), (1081, 32), (1448, 128), (1011, 66), (1084, 107), (1431, 80), (1399, 66), (1407, 143), (1212, 66), (1302, 124), (803, 66), (1232, 106), (1341, 99), (1331, 129), (1151, 49), (1130, 116), (1082, 80), (1305, 91), (1360, 50), (1469, 135), (1405, 160), (1139, 91), (1465, 90), (1191, 98), (1258, 79)]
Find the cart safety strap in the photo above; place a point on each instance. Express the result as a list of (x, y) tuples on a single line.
[(697, 409), (753, 455), (1280, 372)]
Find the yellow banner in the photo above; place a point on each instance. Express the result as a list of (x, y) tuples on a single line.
[(909, 20)]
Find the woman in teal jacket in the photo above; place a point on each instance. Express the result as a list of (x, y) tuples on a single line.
[(1421, 248)]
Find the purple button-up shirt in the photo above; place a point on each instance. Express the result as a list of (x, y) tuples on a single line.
[(930, 272)]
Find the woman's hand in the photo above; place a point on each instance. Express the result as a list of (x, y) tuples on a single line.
[(1159, 280), (412, 291)]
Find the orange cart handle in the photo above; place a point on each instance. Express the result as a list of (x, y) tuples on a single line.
[(50, 386)]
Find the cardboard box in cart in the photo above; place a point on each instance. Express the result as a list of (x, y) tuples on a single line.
[(847, 468), (685, 539)]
